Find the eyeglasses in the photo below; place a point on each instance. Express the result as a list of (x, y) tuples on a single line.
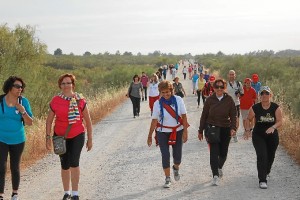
[(17, 86), (66, 83), (219, 87), (266, 93)]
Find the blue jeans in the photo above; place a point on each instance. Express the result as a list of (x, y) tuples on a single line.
[(163, 138)]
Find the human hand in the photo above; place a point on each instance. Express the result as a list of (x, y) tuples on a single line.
[(89, 144), (270, 130), (200, 135), (247, 135), (20, 108), (232, 132), (149, 141), (48, 144), (184, 136)]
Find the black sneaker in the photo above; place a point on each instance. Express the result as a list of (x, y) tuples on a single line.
[(67, 196), (75, 197)]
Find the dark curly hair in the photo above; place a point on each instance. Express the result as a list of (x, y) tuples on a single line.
[(9, 83)]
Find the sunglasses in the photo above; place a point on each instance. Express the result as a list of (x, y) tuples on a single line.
[(266, 93), (66, 83), (219, 87), (17, 86)]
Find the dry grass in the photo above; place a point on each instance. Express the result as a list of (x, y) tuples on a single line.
[(99, 106), (290, 136)]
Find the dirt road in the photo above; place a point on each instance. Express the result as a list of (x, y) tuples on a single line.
[(122, 166)]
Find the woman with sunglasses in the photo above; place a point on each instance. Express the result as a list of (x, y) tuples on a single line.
[(219, 110), (15, 112), (265, 139), (69, 109)]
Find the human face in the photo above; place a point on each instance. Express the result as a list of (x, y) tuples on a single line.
[(231, 76), (248, 84), (66, 85), (17, 88), (265, 96), (219, 89), (166, 93)]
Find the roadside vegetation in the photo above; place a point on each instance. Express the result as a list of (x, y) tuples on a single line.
[(104, 78)]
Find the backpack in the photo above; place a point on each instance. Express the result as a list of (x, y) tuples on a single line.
[(2, 105)]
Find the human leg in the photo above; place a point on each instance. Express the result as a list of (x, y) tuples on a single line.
[(15, 153), (272, 144), (260, 146), (3, 165)]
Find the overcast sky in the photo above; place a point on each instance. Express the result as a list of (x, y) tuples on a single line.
[(171, 26)]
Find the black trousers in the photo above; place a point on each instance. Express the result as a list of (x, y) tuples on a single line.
[(265, 147), (136, 104), (218, 151), (145, 93), (199, 94), (15, 151)]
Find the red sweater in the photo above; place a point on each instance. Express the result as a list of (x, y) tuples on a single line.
[(248, 99)]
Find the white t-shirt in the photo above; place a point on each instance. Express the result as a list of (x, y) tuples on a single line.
[(231, 89), (153, 90), (168, 119)]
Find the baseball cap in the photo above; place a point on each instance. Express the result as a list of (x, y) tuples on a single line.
[(247, 80), (212, 78), (255, 77), (264, 88)]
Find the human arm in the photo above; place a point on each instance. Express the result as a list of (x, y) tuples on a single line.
[(185, 126), (151, 130), (250, 117), (88, 124), (49, 122), (278, 114), (25, 111), (203, 119)]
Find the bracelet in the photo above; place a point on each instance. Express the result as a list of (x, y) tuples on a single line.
[(48, 137), (23, 113), (273, 127)]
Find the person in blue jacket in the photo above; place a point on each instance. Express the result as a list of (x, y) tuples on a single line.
[(15, 112)]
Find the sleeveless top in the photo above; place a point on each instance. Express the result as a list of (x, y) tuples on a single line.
[(264, 118), (177, 88)]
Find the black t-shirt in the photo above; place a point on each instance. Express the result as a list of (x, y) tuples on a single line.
[(264, 119)]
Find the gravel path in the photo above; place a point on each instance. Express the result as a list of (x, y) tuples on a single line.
[(122, 166)]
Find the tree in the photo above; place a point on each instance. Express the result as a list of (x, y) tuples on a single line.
[(58, 52), (126, 53), (87, 53), (118, 53)]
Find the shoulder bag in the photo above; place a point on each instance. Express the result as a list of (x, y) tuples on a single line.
[(59, 142), (212, 134)]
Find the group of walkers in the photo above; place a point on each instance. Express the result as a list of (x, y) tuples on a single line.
[(68, 108), (223, 102)]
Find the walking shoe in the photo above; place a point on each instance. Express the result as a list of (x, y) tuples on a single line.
[(66, 197), (220, 173), (15, 197), (176, 174), (263, 185), (215, 181), (75, 197), (235, 139), (167, 183)]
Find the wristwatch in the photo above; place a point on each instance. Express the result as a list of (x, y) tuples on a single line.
[(48, 137), (23, 113)]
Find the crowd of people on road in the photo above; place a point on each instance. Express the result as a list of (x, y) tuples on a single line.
[(223, 104)]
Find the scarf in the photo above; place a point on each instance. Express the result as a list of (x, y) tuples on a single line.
[(73, 114), (171, 101)]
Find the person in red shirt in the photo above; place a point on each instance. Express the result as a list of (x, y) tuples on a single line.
[(208, 88), (247, 100), (145, 82), (69, 108)]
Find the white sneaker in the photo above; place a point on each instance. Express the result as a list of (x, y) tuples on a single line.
[(220, 173), (215, 181), (167, 183), (263, 185), (176, 174), (15, 197)]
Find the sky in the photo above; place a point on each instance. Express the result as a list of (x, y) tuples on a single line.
[(169, 26)]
